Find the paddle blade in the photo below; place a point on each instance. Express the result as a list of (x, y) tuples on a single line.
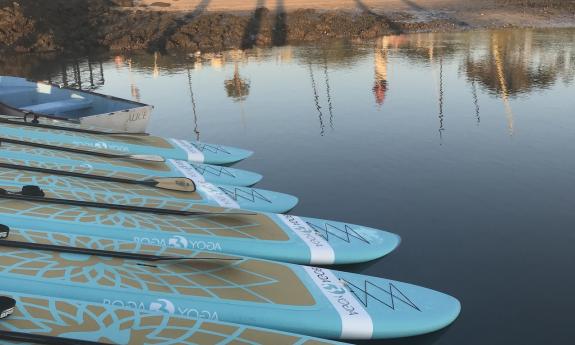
[(180, 184), (148, 158), (4, 231), (7, 305)]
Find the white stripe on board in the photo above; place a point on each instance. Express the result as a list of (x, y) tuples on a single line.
[(321, 251), (216, 194), (193, 153), (356, 323), (187, 170)]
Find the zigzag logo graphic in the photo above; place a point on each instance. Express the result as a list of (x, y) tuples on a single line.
[(247, 194), (208, 169), (210, 148), (346, 234), (373, 292)]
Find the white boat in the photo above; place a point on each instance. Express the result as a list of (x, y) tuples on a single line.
[(21, 97)]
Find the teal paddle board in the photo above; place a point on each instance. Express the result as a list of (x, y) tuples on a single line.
[(128, 144), (124, 168), (113, 192), (266, 235), (37, 318), (307, 300)]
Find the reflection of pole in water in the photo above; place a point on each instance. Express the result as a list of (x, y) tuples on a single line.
[(242, 111), (475, 100), (92, 85), (156, 71), (196, 129), (503, 85), (380, 61), (101, 74), (328, 92), (441, 129), (64, 74), (77, 74), (316, 100)]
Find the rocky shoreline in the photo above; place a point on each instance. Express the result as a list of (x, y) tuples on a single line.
[(82, 26)]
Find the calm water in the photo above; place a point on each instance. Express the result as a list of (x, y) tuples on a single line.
[(464, 144)]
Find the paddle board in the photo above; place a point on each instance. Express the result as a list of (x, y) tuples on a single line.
[(127, 194), (265, 235), (124, 168), (70, 321), (128, 144), (301, 299)]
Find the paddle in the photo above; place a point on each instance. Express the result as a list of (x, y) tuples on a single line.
[(7, 306), (35, 123), (149, 158), (5, 232), (36, 194), (180, 184)]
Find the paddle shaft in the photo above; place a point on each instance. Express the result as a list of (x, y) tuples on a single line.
[(100, 252), (64, 148), (45, 339), (76, 174), (14, 196)]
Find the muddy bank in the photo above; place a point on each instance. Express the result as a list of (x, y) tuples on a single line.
[(80, 26)]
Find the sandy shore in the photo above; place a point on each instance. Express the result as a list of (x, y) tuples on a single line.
[(475, 13)]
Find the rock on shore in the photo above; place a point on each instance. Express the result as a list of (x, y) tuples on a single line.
[(80, 26), (84, 25)]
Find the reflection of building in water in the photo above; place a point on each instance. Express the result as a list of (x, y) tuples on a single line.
[(83, 74), (511, 62), (120, 62), (283, 54), (380, 84), (134, 90), (382, 48), (514, 62)]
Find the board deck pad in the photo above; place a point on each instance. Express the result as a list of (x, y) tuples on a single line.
[(243, 290), (266, 235), (139, 195), (129, 144), (123, 168), (77, 319)]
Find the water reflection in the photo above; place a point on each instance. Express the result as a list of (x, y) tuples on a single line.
[(316, 100), (237, 88), (193, 100), (500, 64), (381, 60), (382, 165), (85, 74)]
